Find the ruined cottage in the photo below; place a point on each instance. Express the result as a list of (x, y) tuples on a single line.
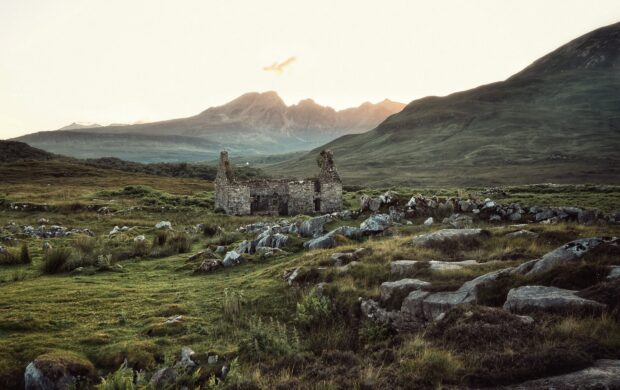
[(322, 194)]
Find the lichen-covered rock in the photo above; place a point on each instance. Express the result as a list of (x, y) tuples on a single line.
[(233, 258), (376, 224), (322, 242), (348, 231), (522, 233), (458, 221), (59, 370), (209, 265), (604, 374), (445, 234), (404, 286), (315, 226), (531, 298), (163, 225), (569, 252)]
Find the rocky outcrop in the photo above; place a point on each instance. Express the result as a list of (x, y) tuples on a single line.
[(531, 298), (233, 258), (570, 252), (400, 287), (315, 226), (59, 370), (604, 374), (445, 234)]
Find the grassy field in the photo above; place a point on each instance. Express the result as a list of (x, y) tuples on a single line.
[(113, 313)]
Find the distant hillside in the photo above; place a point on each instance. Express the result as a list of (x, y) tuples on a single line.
[(557, 120), (16, 156), (255, 124), (132, 147), (11, 151)]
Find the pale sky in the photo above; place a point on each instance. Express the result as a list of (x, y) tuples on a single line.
[(124, 61)]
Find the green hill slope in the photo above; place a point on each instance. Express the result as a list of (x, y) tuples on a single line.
[(557, 120)]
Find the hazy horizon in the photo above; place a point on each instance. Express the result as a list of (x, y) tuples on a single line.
[(117, 62)]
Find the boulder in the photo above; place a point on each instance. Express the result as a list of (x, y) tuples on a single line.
[(322, 242), (614, 272), (445, 234), (515, 216), (291, 275), (315, 226), (348, 231), (458, 221), (339, 259), (374, 204), (604, 374), (570, 252), (522, 233), (163, 225), (372, 310), (233, 258), (404, 267), (209, 265), (429, 221), (163, 378), (376, 224), (531, 298), (400, 287), (542, 215), (59, 370)]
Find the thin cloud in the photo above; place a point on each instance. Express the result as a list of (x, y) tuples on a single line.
[(278, 68)]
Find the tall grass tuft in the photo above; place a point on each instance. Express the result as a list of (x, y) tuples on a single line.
[(24, 256), (56, 259)]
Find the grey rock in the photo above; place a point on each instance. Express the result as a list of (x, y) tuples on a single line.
[(603, 375), (542, 215), (570, 252), (163, 378), (445, 234), (429, 221), (339, 259), (315, 226), (348, 231), (209, 265), (233, 258), (163, 225), (614, 272), (291, 275), (322, 242), (464, 205), (139, 238), (376, 224), (403, 267), (530, 298), (495, 218), (403, 286), (374, 204), (522, 233), (458, 221), (220, 249), (372, 310), (186, 359)]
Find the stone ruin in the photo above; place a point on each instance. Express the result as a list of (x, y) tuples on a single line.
[(322, 194)]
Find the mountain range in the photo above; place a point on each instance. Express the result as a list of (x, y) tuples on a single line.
[(254, 124), (557, 120)]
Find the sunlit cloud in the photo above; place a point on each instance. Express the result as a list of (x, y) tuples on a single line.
[(278, 68)]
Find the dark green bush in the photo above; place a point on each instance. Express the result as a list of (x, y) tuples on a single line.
[(24, 256)]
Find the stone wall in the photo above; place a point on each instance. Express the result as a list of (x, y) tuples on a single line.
[(330, 196), (279, 197), (301, 197)]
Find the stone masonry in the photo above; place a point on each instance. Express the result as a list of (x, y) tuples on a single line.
[(322, 194)]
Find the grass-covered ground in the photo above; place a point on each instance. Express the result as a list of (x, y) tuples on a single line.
[(281, 335)]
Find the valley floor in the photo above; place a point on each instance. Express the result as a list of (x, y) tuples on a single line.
[(133, 295)]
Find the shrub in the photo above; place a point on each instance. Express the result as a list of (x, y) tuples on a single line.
[(423, 364), (8, 258), (121, 379), (85, 245), (24, 256), (180, 242), (161, 237), (313, 310), (209, 229), (139, 249), (373, 332), (56, 259), (268, 340)]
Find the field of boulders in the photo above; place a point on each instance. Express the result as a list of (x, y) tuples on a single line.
[(395, 291)]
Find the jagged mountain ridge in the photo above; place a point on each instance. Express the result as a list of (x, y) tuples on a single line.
[(254, 124), (556, 120)]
